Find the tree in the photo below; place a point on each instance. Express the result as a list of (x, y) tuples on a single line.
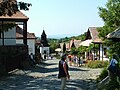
[(111, 17), (53, 45), (64, 48), (73, 45), (10, 7)]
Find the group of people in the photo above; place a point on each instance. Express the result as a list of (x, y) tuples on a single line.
[(75, 60), (113, 69)]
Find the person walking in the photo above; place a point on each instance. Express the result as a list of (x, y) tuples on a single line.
[(63, 72), (113, 67)]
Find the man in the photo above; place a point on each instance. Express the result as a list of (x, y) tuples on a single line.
[(63, 71)]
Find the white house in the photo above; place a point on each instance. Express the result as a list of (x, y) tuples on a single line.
[(44, 46), (93, 38), (30, 39)]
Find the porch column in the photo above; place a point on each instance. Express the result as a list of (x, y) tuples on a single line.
[(2, 34), (25, 32), (102, 52), (94, 52), (99, 51)]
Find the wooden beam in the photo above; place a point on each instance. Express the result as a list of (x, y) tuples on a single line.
[(25, 32)]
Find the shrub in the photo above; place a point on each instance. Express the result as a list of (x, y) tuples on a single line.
[(112, 85), (103, 74), (97, 64)]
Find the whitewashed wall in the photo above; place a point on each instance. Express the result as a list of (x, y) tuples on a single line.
[(30, 43), (11, 33), (31, 46), (42, 49), (102, 53)]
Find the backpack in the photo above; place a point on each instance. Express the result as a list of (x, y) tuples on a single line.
[(112, 68)]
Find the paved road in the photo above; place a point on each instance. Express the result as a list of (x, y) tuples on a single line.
[(44, 77)]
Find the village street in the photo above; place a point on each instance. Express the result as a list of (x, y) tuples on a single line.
[(44, 77)]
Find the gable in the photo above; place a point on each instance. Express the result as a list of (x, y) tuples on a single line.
[(19, 33), (92, 33)]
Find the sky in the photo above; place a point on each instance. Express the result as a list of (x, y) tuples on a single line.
[(63, 17)]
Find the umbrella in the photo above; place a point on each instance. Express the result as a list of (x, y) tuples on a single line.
[(58, 49)]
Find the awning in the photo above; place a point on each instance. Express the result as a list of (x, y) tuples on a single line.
[(86, 43), (58, 49)]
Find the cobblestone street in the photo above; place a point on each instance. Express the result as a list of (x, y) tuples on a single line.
[(44, 77)]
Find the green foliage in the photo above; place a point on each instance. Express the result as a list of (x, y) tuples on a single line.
[(112, 85), (74, 51), (82, 49), (111, 17), (6, 26), (103, 75), (67, 39), (10, 7), (114, 48), (111, 14), (24, 6), (97, 64), (53, 44)]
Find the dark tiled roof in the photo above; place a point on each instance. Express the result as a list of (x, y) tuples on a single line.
[(19, 33), (114, 34)]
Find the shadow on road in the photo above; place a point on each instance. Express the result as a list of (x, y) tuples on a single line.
[(47, 82)]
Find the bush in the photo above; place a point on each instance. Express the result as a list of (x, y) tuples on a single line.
[(103, 74), (112, 85), (97, 64)]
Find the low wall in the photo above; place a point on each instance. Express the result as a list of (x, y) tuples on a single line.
[(12, 57)]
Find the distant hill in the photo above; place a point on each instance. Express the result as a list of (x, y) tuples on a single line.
[(61, 36)]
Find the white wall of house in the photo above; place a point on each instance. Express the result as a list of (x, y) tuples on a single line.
[(30, 43), (102, 53), (11, 34), (31, 46), (43, 50)]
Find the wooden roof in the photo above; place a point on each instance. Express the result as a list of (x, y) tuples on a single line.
[(93, 35), (114, 34)]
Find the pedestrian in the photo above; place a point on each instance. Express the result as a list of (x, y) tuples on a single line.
[(32, 58), (113, 67), (63, 71), (70, 60)]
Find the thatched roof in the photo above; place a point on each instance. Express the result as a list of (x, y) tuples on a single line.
[(114, 34)]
